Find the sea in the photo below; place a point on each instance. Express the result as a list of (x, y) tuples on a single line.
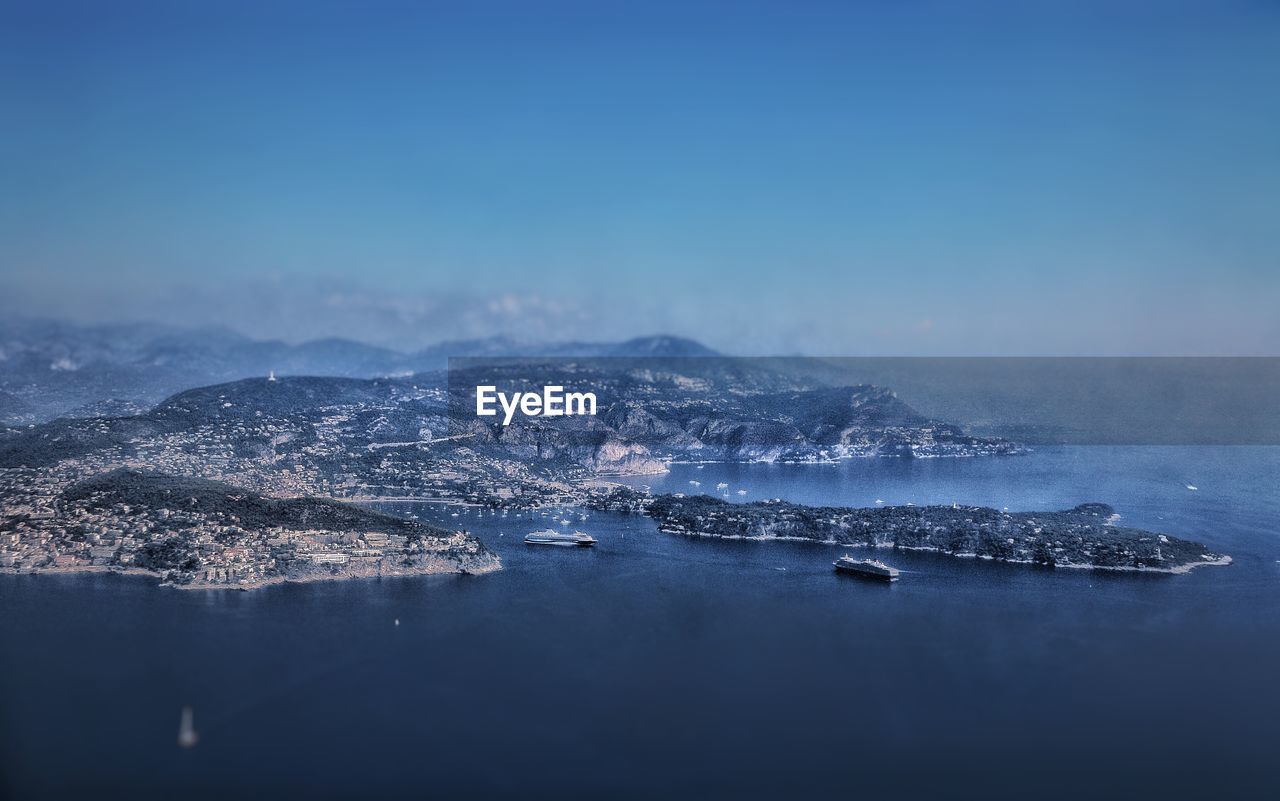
[(660, 666)]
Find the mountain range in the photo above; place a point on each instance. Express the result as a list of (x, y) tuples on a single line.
[(50, 369), (647, 417)]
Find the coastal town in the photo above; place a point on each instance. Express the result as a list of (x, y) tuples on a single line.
[(198, 533), (269, 480)]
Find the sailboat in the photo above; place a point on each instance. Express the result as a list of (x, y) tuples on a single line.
[(187, 736)]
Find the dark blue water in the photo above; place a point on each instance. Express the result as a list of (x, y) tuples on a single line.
[(655, 666)]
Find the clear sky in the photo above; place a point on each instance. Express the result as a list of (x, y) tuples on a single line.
[(842, 178)]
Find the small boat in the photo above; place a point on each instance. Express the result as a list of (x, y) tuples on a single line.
[(552, 537), (187, 737), (866, 568)]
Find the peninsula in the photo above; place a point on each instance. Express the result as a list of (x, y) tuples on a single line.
[(195, 533), (1085, 536)]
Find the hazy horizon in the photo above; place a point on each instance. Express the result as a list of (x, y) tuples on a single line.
[(266, 312)]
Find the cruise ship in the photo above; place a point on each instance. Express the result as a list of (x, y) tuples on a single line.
[(552, 537), (867, 568)]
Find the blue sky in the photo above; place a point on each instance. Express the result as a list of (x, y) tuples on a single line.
[(845, 178)]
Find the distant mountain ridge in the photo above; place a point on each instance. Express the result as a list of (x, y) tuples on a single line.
[(647, 418), (50, 368), (658, 346)]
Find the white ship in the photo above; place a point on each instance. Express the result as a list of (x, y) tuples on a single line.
[(866, 568), (552, 537)]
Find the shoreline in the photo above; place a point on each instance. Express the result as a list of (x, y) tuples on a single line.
[(1177, 570), (247, 586)]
